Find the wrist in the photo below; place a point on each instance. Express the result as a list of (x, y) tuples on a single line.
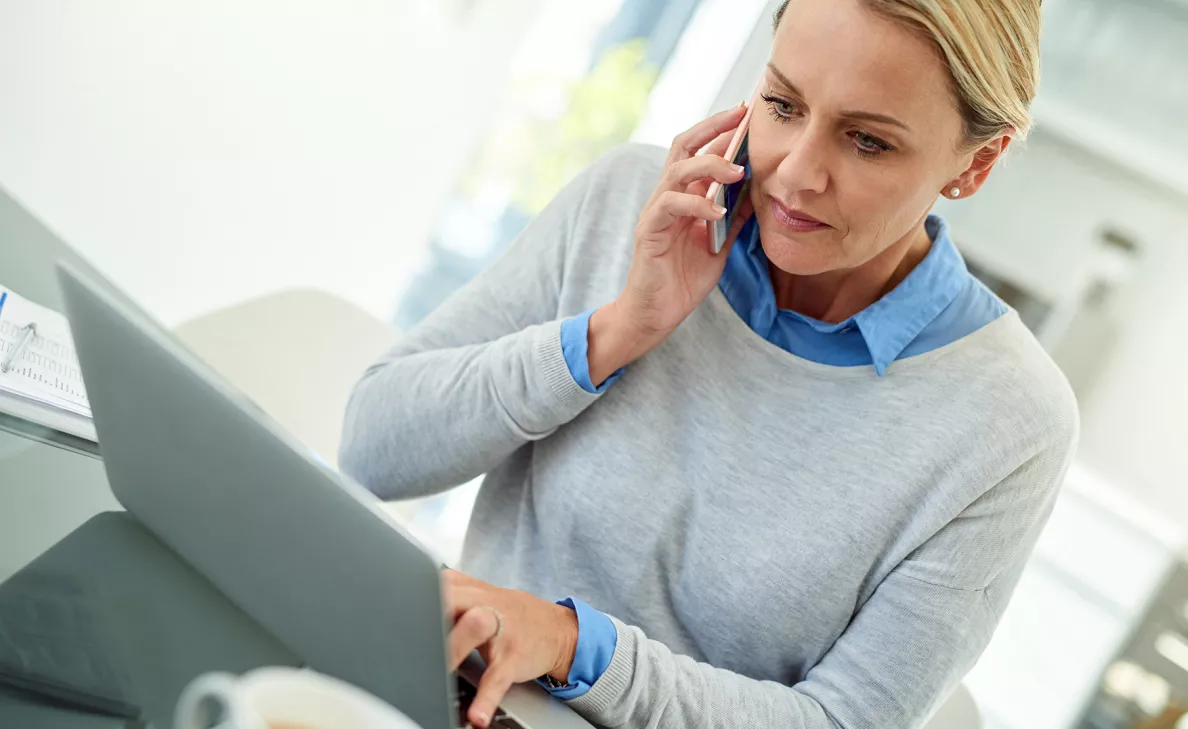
[(567, 634), (615, 341)]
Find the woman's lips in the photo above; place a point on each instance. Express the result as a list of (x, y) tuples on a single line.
[(794, 219)]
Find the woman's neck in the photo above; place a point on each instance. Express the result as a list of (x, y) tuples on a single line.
[(835, 296)]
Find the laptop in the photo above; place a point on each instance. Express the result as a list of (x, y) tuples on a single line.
[(309, 554)]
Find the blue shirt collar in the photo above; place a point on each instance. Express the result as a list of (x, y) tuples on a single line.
[(888, 325)]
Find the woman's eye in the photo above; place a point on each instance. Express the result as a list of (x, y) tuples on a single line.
[(781, 110), (868, 145)]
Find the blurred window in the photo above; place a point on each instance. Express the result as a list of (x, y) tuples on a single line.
[(579, 86)]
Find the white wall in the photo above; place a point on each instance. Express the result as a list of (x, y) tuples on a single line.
[(1135, 425), (202, 152), (1041, 212)]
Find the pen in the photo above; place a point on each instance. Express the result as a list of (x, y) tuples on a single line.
[(30, 330)]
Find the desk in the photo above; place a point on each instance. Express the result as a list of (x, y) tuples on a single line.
[(49, 483), (72, 564)]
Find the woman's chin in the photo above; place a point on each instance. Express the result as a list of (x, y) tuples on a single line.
[(799, 253), (800, 257)]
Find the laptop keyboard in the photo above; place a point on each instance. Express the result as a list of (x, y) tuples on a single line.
[(466, 694)]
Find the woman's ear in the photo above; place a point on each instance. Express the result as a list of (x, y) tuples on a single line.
[(984, 159)]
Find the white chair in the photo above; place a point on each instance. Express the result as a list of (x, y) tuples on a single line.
[(958, 712), (298, 353)]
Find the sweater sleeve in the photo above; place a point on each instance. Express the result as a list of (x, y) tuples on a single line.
[(483, 375), (905, 650), (575, 334)]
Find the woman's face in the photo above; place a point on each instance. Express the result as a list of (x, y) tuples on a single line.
[(858, 129)]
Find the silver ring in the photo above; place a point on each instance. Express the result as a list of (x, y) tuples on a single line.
[(498, 621)]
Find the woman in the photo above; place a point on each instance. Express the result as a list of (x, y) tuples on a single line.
[(793, 484)]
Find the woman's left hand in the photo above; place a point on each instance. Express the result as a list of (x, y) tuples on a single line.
[(520, 636)]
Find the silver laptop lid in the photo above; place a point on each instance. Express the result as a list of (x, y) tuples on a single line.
[(303, 550)]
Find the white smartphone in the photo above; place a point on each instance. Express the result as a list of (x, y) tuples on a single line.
[(737, 153)]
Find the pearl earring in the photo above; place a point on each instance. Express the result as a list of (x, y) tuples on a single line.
[(955, 192)]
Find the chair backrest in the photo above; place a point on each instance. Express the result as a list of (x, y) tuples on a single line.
[(297, 353), (958, 712)]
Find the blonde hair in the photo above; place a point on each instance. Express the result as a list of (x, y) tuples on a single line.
[(991, 48)]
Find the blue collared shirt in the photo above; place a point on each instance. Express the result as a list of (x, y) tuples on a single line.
[(937, 303)]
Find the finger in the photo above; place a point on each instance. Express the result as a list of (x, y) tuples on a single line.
[(459, 592), (672, 206), (449, 593), (493, 686), (720, 144), (457, 578), (459, 600), (680, 175), (476, 627), (449, 584), (687, 143), (717, 148)]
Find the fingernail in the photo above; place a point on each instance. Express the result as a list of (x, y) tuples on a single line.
[(738, 168), (719, 210), (742, 104), (483, 719)]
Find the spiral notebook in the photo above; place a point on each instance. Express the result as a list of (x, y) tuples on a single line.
[(40, 380)]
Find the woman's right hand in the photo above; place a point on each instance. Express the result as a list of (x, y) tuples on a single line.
[(673, 268)]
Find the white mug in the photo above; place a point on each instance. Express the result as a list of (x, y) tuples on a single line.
[(282, 698)]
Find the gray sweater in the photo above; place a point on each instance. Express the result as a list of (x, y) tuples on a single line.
[(780, 543)]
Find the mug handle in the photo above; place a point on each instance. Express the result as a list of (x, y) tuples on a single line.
[(210, 702)]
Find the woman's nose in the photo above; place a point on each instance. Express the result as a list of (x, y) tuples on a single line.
[(805, 167)]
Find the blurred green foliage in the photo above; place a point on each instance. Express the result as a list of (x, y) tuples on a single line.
[(604, 108)]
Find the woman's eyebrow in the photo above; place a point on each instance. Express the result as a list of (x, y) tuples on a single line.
[(783, 79), (865, 115), (869, 116)]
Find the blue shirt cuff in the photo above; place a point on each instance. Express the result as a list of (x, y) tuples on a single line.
[(575, 346), (596, 643)]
